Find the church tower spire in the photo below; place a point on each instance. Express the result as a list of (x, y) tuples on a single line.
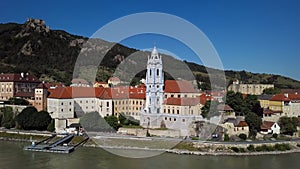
[(154, 83)]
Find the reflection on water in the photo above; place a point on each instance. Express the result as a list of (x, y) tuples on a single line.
[(12, 155)]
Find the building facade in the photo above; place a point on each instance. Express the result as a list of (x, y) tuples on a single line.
[(253, 89), (18, 85), (173, 109), (40, 97)]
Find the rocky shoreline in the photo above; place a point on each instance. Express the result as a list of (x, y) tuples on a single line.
[(187, 152)]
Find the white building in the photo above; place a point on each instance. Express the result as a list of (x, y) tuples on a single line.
[(65, 103), (156, 114), (269, 127)]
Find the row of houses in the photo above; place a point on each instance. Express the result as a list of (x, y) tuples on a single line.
[(276, 106), (181, 99), (67, 104)]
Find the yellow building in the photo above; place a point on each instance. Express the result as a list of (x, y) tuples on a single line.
[(128, 100), (282, 105), (182, 106)]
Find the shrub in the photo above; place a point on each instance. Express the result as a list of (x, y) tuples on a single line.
[(275, 136), (251, 148), (242, 150), (7, 120), (282, 147), (258, 148), (148, 134), (226, 137), (31, 119), (235, 149), (51, 126), (243, 136)]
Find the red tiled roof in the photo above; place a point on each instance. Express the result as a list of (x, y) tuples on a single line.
[(98, 92), (61, 93), (182, 101), (242, 124), (13, 77), (203, 98), (75, 92), (284, 97), (266, 125), (179, 86)]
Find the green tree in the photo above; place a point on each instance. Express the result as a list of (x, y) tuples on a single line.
[(31, 119), (209, 109), (254, 122), (7, 120), (123, 119), (127, 120), (271, 91), (243, 136), (288, 125), (235, 101), (226, 137), (112, 121), (51, 126), (43, 119), (252, 104), (18, 101), (244, 105)]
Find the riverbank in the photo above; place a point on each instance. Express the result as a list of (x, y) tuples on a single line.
[(170, 146)]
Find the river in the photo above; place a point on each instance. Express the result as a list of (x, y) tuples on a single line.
[(12, 156)]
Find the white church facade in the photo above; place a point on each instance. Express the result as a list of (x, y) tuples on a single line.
[(156, 113)]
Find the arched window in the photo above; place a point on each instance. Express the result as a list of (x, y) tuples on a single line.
[(157, 72)]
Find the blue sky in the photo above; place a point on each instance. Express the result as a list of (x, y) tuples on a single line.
[(260, 36)]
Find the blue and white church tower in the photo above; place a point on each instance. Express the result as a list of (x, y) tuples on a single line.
[(154, 91), (154, 83)]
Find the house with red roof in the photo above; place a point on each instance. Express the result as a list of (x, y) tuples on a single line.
[(128, 100), (287, 104), (182, 106), (235, 127), (269, 127), (65, 103), (180, 89)]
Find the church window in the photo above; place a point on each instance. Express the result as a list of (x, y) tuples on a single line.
[(157, 72)]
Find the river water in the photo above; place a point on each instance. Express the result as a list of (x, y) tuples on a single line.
[(12, 156)]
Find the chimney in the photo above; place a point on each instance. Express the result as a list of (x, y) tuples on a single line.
[(286, 95), (22, 74)]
